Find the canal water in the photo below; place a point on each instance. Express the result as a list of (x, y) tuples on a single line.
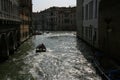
[(62, 60)]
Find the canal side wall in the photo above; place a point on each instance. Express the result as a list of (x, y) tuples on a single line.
[(9, 38), (109, 30), (9, 27), (106, 35), (98, 25), (25, 14), (15, 25)]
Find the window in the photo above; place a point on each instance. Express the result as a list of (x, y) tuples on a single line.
[(86, 32), (86, 12), (83, 13), (95, 36), (66, 14), (0, 5), (66, 21), (96, 8), (51, 14), (91, 10), (71, 22)]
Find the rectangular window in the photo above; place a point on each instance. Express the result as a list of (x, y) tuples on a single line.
[(89, 33), (86, 12), (83, 15), (66, 14), (96, 8), (86, 32), (66, 20), (0, 5), (71, 22), (5, 6), (91, 10)]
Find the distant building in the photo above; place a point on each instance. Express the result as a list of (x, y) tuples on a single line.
[(37, 21), (98, 24), (66, 19), (57, 19)]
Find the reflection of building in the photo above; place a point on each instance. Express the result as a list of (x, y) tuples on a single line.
[(9, 27), (26, 17), (58, 18), (98, 24)]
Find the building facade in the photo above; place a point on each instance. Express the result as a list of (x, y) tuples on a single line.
[(109, 30), (15, 23), (37, 21), (79, 18), (88, 21), (26, 17), (98, 25), (66, 19), (9, 27), (58, 19)]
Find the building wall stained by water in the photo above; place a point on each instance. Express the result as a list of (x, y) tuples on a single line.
[(109, 30), (10, 21), (9, 27), (98, 25), (26, 17)]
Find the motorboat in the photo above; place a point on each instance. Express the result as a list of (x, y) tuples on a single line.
[(41, 48)]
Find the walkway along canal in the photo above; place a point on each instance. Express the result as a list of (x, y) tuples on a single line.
[(62, 61)]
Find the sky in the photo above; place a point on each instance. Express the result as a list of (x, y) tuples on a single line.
[(39, 5)]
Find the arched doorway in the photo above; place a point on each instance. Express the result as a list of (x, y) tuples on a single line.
[(17, 39), (4, 50), (11, 41)]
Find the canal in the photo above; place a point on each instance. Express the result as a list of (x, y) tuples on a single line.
[(62, 60)]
